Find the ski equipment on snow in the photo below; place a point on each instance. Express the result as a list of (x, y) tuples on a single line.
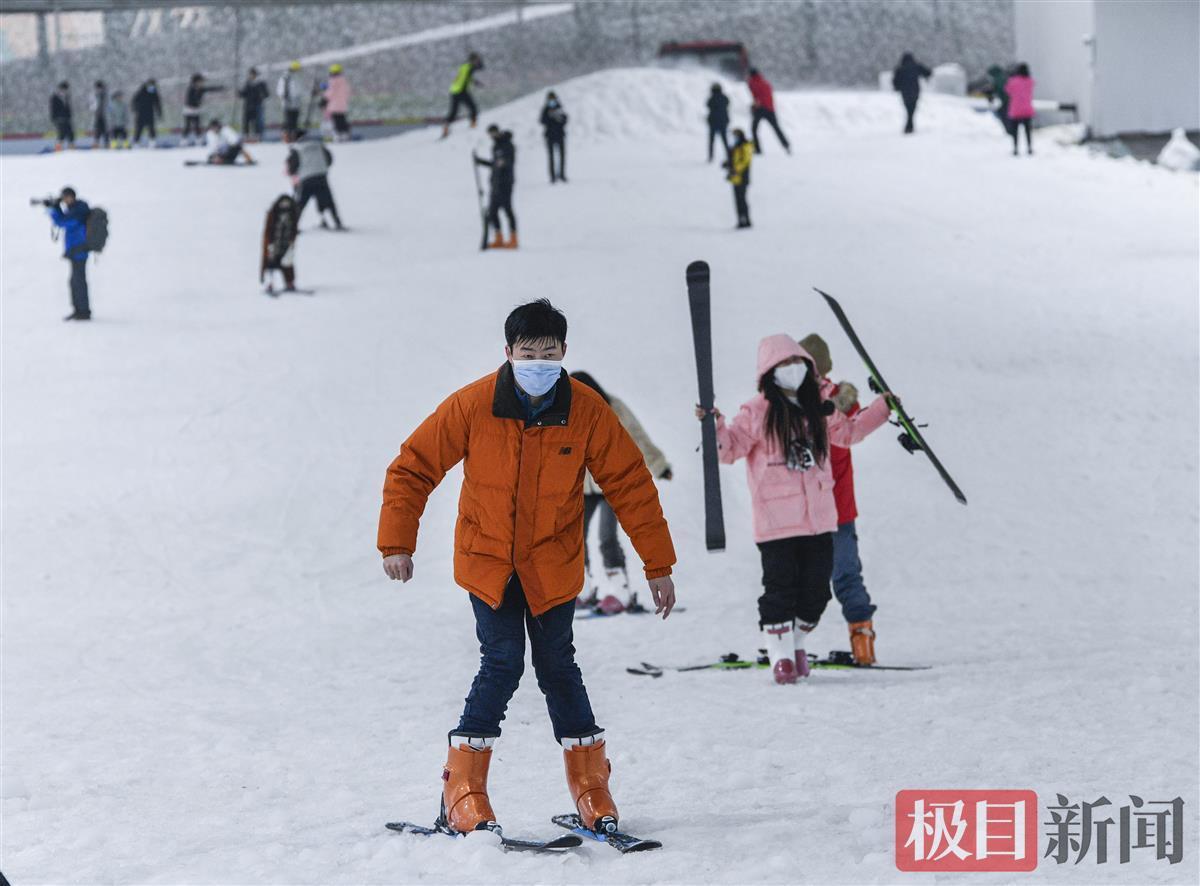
[(699, 301), (839, 660), (622, 842), (511, 844), (483, 243), (911, 439)]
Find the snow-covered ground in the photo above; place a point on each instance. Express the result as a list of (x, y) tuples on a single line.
[(207, 677)]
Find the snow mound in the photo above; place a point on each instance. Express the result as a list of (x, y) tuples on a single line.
[(1179, 153)]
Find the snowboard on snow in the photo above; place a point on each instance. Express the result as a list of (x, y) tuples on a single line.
[(838, 661), (509, 844), (699, 302), (911, 438)]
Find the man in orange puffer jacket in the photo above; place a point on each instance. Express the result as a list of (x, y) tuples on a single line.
[(526, 434)]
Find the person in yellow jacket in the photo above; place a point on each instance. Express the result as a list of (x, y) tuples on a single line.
[(460, 91), (739, 174)]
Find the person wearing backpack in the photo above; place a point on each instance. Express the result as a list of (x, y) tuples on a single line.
[(71, 214)]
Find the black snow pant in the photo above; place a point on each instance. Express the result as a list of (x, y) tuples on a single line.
[(461, 98), (559, 146), (341, 125), (501, 200), (761, 114), (291, 119), (610, 545), (64, 131), (119, 134), (715, 132), (796, 574), (317, 186), (743, 208), (191, 126), (147, 123), (910, 108), (1027, 123), (79, 287), (100, 130)]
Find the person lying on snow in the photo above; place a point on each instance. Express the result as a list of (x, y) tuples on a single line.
[(224, 145)]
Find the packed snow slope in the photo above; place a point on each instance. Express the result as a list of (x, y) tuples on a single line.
[(208, 679)]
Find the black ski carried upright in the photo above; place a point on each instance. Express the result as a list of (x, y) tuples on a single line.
[(699, 301), (483, 244), (911, 439)]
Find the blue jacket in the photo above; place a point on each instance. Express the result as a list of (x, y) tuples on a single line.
[(74, 222)]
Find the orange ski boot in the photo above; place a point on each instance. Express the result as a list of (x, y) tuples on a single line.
[(498, 242), (862, 642), (465, 804), (512, 241), (587, 777)]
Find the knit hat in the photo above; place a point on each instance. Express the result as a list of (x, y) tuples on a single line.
[(816, 346)]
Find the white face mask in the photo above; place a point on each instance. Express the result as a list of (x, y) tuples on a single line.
[(790, 377), (536, 377)]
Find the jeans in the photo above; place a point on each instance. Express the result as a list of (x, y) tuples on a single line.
[(795, 578), (79, 287), (501, 635), (610, 545), (558, 146), (848, 584)]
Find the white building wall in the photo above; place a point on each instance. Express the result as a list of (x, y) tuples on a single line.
[(1147, 76), (1052, 38)]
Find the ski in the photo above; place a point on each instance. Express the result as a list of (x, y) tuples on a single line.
[(510, 844), (911, 439), (275, 293), (699, 302), (622, 842), (483, 243), (836, 661)]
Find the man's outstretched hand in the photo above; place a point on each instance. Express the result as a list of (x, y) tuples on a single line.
[(399, 567), (663, 592)]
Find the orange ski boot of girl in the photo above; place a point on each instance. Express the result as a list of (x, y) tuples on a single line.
[(781, 650), (512, 241), (862, 642), (587, 778), (498, 242), (801, 631), (465, 804)]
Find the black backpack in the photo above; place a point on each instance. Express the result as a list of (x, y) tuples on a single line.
[(96, 232)]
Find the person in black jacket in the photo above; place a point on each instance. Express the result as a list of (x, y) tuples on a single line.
[(718, 119), (906, 80), (503, 166), (554, 126), (99, 108), (254, 97), (147, 108), (60, 116), (193, 101)]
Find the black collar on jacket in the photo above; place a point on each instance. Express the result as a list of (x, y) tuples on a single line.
[(506, 405)]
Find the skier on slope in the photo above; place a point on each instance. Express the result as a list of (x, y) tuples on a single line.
[(147, 109), (460, 91), (718, 119), (503, 165), (906, 80), (525, 435), (279, 244), (336, 99), (848, 585), (288, 90), (784, 433), (308, 163), (763, 108), (193, 102), (554, 128), (738, 166), (594, 503)]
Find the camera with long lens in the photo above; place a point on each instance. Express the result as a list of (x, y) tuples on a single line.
[(43, 201)]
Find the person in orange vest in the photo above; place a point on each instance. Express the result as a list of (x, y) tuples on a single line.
[(526, 434)]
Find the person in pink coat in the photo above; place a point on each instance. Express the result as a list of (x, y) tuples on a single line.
[(784, 434), (336, 97), (1020, 105)]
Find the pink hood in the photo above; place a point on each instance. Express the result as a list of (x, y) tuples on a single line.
[(774, 349)]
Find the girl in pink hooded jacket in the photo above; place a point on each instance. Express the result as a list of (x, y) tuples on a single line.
[(336, 97), (784, 433)]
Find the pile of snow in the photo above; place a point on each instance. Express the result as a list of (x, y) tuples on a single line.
[(949, 79), (207, 677), (1179, 153)]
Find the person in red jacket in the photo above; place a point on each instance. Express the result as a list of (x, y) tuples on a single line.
[(847, 579), (762, 107)]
